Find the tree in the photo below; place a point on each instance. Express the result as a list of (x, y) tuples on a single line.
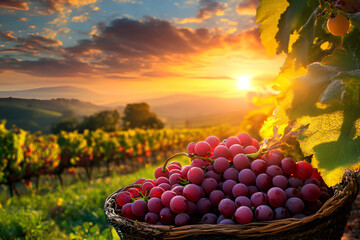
[(105, 120), (66, 124), (138, 115)]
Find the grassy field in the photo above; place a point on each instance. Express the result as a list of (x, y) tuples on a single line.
[(72, 212)]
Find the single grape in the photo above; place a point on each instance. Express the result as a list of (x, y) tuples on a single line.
[(191, 208), (209, 185), (127, 212), (231, 173), (276, 197), (295, 205), (178, 204), (196, 175), (139, 207), (226, 207), (165, 186), (156, 192), (295, 182), (175, 163), (182, 219), (166, 198), (134, 192), (264, 213), (255, 143), (244, 215), (288, 166), (227, 187), (252, 190), (213, 142), (174, 171), (222, 151), (240, 189), (166, 216), (313, 180), (203, 205), (140, 181), (236, 149), (221, 164), (192, 192), (245, 139), (303, 170), (274, 170), (123, 198), (278, 152), (151, 218), (242, 201), (146, 187), (220, 218), (172, 167), (281, 213), (191, 148), (202, 149), (227, 221), (209, 218), (231, 141), (259, 166), (159, 172), (258, 198), (280, 181), (185, 170), (310, 192), (160, 180), (241, 161), (175, 178), (292, 192), (197, 162), (154, 205), (250, 149), (272, 159), (214, 175), (216, 196), (263, 182), (178, 190), (247, 177)]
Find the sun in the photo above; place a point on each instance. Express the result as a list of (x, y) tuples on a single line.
[(243, 82)]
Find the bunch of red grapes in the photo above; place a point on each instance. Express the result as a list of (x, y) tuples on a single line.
[(228, 182)]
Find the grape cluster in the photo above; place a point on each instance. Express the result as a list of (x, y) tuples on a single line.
[(227, 182)]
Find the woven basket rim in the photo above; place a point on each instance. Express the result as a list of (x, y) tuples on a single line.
[(344, 192)]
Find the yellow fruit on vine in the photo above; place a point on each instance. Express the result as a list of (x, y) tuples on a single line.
[(338, 25)]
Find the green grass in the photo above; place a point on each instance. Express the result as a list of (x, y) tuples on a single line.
[(73, 212)]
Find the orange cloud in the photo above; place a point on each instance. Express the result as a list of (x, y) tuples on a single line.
[(19, 5), (32, 27), (247, 7), (23, 19), (82, 18)]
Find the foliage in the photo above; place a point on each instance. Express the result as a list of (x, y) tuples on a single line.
[(319, 81), (105, 120), (65, 124), (138, 115)]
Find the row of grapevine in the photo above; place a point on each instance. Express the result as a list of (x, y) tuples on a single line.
[(26, 156)]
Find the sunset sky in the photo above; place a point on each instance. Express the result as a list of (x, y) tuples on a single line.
[(129, 49)]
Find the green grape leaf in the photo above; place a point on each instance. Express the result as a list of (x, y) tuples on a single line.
[(355, 19), (268, 16), (332, 92), (341, 59), (295, 16), (352, 44), (351, 81)]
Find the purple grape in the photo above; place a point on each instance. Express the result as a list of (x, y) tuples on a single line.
[(240, 189), (250, 149), (245, 139), (154, 205), (227, 221), (185, 170), (209, 218), (127, 212), (178, 190), (222, 151), (160, 180), (197, 162), (241, 161), (213, 142), (312, 180), (192, 192), (252, 190), (264, 213), (156, 192), (209, 185), (166, 198), (263, 182), (288, 166), (166, 216), (243, 215), (259, 166), (216, 196), (178, 204), (274, 170), (220, 218), (310, 192), (292, 192), (123, 198), (221, 164), (151, 218), (202, 149), (139, 207), (242, 201), (226, 207), (247, 177), (160, 173), (214, 175), (228, 186), (203, 206), (165, 186), (174, 178), (235, 149), (276, 197), (182, 219), (195, 175), (295, 182), (272, 159), (231, 141), (231, 173), (258, 198), (281, 213), (295, 205), (280, 181), (191, 208)]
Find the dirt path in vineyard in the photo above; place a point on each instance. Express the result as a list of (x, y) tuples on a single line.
[(352, 230)]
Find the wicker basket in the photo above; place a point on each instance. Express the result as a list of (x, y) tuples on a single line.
[(328, 223)]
